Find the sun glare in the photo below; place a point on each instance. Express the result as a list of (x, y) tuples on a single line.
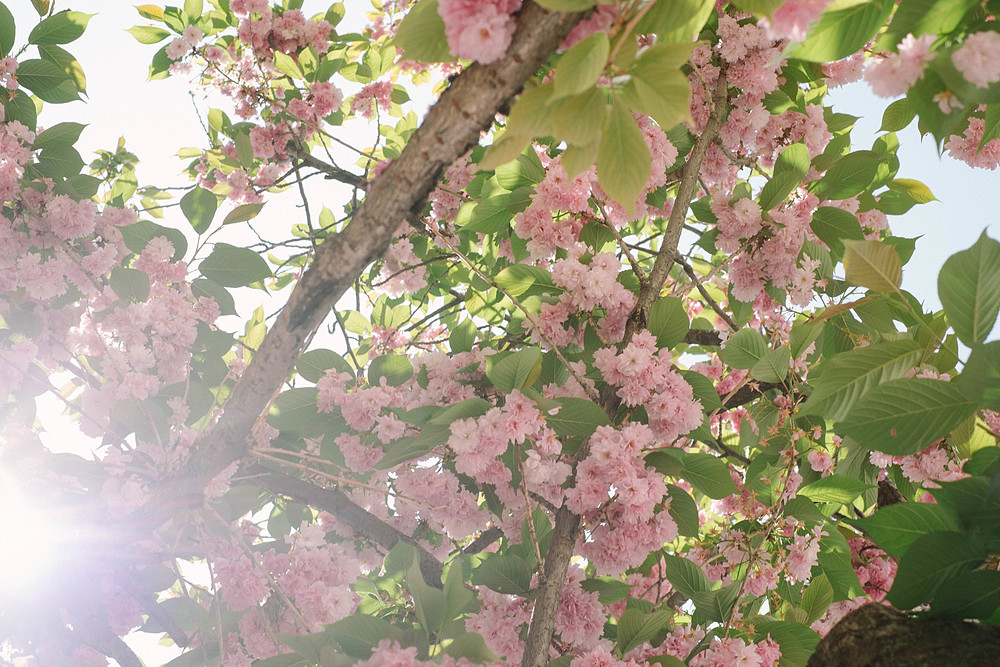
[(27, 537)]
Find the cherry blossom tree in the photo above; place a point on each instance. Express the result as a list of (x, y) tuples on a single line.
[(603, 361)]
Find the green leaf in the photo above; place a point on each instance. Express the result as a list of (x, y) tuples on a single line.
[(668, 321), (577, 418), (504, 573), (716, 605), (609, 590), (684, 511), (635, 627), (744, 349), (873, 264), (685, 576), (834, 225), (789, 170), (395, 368), (708, 474), (58, 135), (658, 87), (65, 61), (849, 176), (918, 17), (7, 30), (676, 21), (903, 416), (980, 379), (138, 234), (198, 206), (930, 563), (472, 647), (969, 287), (61, 28), (797, 641), (817, 597), (462, 337), (969, 595), (834, 489), (567, 5), (521, 279), (578, 120), (897, 115), (130, 284), (313, 364), (525, 170), (917, 190), (21, 109), (840, 33), (773, 366), (580, 66), (421, 34), (60, 161), (849, 375), (895, 527), (146, 34), (242, 213), (515, 370), (294, 411), (47, 80), (359, 634), (623, 161), (234, 267), (193, 9), (204, 287)]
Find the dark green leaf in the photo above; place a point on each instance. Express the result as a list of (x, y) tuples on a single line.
[(395, 368), (896, 527), (199, 206), (61, 28), (904, 416), (930, 563), (234, 267), (130, 284), (789, 170), (708, 474), (969, 287), (668, 321)]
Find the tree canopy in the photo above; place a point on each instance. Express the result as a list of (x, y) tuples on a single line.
[(602, 360)]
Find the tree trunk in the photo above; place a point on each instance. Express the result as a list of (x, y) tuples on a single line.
[(877, 636)]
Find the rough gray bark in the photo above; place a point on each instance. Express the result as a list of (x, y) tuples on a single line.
[(877, 636), (451, 127)]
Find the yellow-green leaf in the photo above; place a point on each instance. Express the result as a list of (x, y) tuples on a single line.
[(623, 161), (873, 265), (581, 65)]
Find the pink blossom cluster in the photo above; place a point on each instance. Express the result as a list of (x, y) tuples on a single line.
[(401, 271), (777, 260), (792, 19), (644, 376), (588, 287), (479, 30), (602, 18), (893, 74), (966, 147), (15, 154), (372, 97), (725, 652), (186, 43), (8, 75), (388, 653), (446, 199), (579, 620), (618, 495), (288, 32), (978, 59), (544, 231)]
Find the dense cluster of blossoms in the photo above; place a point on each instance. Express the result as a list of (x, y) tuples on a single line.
[(479, 30), (978, 59), (895, 73)]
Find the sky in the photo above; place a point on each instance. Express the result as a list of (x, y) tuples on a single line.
[(157, 118)]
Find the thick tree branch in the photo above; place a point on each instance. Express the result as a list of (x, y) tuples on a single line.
[(337, 503), (877, 636), (567, 524), (451, 127)]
